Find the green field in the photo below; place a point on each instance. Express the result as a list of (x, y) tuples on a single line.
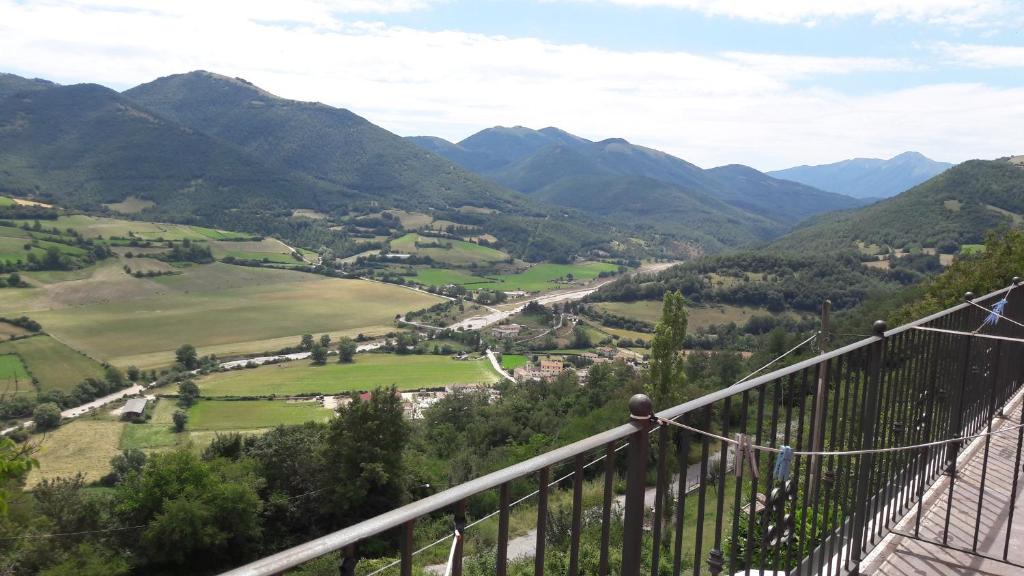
[(131, 205), (442, 277), (5, 201), (546, 276), (968, 249), (274, 257), (249, 414), (650, 311), (369, 371), (512, 361), (219, 308), (14, 240), (461, 253), (94, 226), (56, 366), (14, 379), (158, 432)]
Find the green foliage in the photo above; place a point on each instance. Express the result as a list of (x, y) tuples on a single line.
[(186, 356), (188, 393), (665, 386), (180, 418), (15, 463), (46, 416), (346, 350), (89, 559), (318, 355)]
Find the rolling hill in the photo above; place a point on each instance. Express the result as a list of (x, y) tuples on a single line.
[(867, 177), (954, 208), (723, 207)]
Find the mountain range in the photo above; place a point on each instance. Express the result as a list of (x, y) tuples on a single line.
[(869, 178), (725, 206)]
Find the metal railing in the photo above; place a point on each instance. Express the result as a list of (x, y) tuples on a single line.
[(921, 382)]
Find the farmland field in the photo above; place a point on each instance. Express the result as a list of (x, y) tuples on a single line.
[(5, 201), (369, 371), (460, 253), (84, 446), (11, 331), (650, 311), (219, 308), (441, 277), (546, 276), (14, 379), (131, 205), (94, 226), (158, 432), (512, 361), (56, 366), (248, 414)]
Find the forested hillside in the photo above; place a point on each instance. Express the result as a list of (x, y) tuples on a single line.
[(728, 206), (955, 208), (867, 177)]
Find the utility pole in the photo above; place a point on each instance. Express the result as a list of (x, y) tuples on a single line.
[(818, 435)]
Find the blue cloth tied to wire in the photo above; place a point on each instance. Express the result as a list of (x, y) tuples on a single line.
[(997, 310), (782, 463)]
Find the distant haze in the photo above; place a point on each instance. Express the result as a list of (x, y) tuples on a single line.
[(867, 177)]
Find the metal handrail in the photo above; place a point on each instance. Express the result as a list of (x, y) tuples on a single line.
[(340, 539)]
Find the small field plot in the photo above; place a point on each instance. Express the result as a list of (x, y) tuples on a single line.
[(56, 366), (131, 205), (14, 379), (249, 414), (968, 249), (266, 250), (8, 331), (443, 277), (93, 226), (158, 432), (650, 311), (447, 250), (221, 309), (548, 277), (512, 361), (5, 201), (84, 446), (369, 371)]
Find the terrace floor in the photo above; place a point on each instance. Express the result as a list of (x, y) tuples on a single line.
[(899, 555)]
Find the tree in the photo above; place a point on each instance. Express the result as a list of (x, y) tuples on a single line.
[(127, 462), (667, 367), (364, 456), (307, 342), (580, 338), (319, 355), (186, 356), (188, 393), (46, 416), (115, 377), (346, 350), (180, 418), (133, 373), (15, 462), (325, 340)]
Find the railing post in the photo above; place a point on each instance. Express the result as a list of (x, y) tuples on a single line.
[(818, 431), (869, 417), (640, 411)]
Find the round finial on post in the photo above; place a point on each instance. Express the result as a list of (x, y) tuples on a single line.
[(1016, 280), (968, 296), (879, 327), (640, 407)]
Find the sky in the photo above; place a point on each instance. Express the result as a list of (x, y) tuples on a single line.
[(767, 83)]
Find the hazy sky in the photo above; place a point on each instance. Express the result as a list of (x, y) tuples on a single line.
[(769, 83)]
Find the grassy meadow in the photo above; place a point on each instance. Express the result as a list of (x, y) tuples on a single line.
[(547, 276), (460, 254), (56, 366), (84, 445), (223, 415), (369, 371), (698, 317), (219, 308)]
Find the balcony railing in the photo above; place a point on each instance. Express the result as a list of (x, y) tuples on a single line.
[(935, 379)]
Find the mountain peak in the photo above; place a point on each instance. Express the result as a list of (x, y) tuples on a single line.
[(910, 155), (867, 177)]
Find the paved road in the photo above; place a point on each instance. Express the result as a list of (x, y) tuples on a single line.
[(497, 365)]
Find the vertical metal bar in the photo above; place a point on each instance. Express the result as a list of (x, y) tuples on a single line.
[(869, 416), (818, 432), (1013, 488), (636, 483), (659, 499), (543, 479), (861, 377), (804, 388), (407, 546), (738, 488), (768, 478), (577, 514), (751, 515), (683, 447), (504, 498), (787, 440), (953, 448), (606, 510), (988, 443), (716, 558), (460, 525), (698, 538)]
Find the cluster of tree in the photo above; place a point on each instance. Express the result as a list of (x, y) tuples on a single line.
[(188, 251), (615, 321), (23, 322), (178, 512), (774, 281), (22, 212), (12, 280), (53, 401)]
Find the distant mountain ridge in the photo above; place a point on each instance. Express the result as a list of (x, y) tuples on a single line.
[(959, 206), (867, 177), (726, 206)]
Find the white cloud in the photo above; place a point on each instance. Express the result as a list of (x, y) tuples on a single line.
[(732, 107), (982, 55), (954, 12)]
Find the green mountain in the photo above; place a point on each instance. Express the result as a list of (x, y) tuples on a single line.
[(723, 207), (867, 177), (330, 144), (85, 145), (954, 208)]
